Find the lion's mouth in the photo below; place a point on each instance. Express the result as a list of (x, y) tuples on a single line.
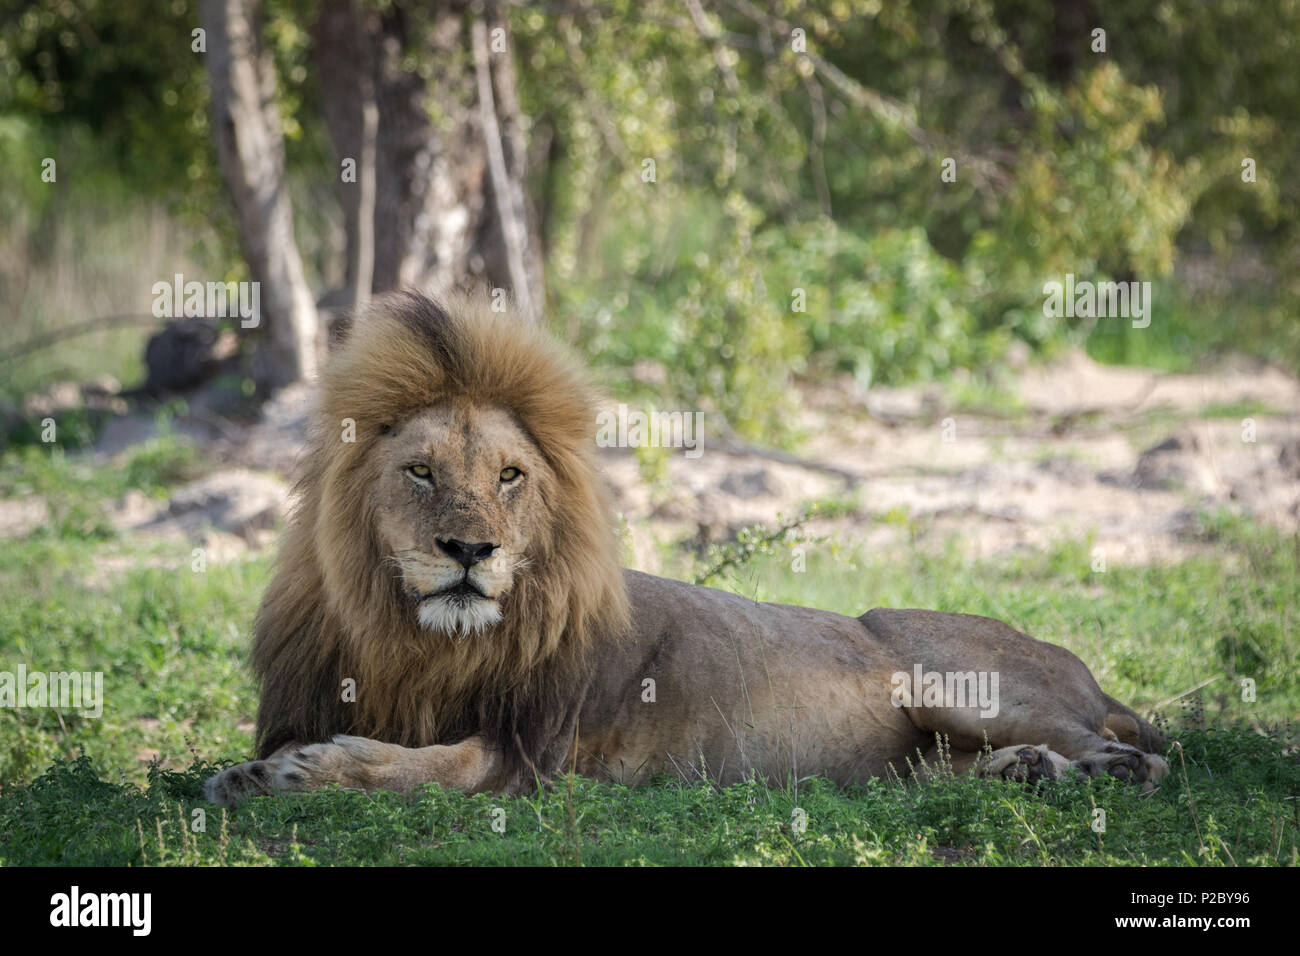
[(462, 592), (458, 610)]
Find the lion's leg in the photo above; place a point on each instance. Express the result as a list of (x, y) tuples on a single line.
[(995, 687), (1040, 762), (1065, 745), (1092, 752), (358, 763)]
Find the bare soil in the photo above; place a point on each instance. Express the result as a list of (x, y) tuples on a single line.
[(1125, 457)]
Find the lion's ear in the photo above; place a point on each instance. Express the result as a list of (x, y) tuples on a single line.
[(338, 329), (335, 310)]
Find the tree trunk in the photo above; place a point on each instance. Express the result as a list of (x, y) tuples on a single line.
[(250, 148), (443, 144), (514, 232), (438, 200), (344, 45)]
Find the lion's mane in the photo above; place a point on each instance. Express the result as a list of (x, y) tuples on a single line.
[(334, 609)]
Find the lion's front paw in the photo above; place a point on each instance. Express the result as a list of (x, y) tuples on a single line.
[(354, 763), (1126, 763), (236, 784), (1024, 763)]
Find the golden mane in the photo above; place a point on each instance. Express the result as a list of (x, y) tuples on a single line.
[(334, 609)]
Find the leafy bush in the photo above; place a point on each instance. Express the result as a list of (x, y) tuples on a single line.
[(887, 308)]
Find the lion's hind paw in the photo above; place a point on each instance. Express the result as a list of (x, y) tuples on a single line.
[(1124, 763)]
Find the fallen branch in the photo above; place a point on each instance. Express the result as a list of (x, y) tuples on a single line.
[(55, 336), (732, 445)]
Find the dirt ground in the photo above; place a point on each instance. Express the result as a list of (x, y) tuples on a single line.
[(1126, 455)]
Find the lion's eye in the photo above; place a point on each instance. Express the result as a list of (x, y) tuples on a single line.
[(420, 472), (510, 474)]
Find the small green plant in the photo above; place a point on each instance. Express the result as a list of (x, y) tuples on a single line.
[(758, 539)]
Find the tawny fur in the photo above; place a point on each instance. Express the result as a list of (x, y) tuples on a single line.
[(335, 610)]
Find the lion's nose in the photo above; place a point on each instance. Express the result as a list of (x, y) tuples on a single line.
[(467, 553)]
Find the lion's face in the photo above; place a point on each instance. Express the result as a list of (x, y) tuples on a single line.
[(461, 494)]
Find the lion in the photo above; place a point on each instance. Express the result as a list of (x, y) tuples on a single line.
[(448, 607)]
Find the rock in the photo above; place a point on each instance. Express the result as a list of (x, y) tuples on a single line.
[(1185, 524), (99, 399), (124, 432), (220, 510), (750, 484), (101, 387), (1289, 458), (237, 501), (57, 399), (276, 442), (896, 406), (1178, 462), (19, 517), (1184, 441), (185, 354), (133, 511), (1069, 471)]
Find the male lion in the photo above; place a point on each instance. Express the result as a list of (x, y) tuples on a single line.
[(448, 607)]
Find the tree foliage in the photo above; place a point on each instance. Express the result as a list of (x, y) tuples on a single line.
[(793, 145)]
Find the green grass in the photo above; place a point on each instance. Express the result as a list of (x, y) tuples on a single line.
[(173, 647), (1188, 331), (1234, 806)]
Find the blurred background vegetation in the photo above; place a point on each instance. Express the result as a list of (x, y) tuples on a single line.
[(776, 170)]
